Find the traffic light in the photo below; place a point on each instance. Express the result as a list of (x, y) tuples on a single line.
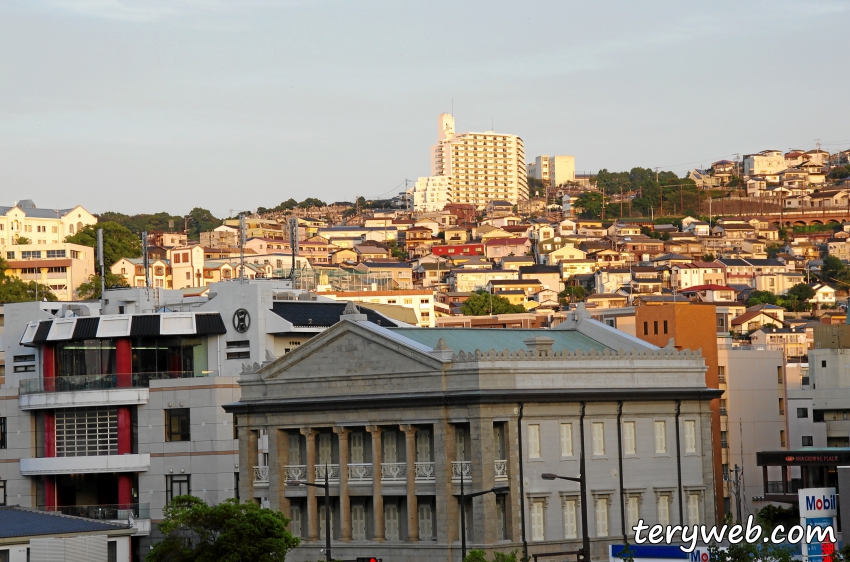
[(368, 559)]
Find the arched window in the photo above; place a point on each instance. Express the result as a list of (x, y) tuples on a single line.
[(70, 229), (79, 226)]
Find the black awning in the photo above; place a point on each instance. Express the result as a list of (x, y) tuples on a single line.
[(145, 325), (42, 331), (86, 328), (209, 324)]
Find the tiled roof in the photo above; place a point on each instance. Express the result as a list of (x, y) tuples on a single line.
[(19, 522)]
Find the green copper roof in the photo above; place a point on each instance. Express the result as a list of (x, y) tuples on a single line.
[(485, 339)]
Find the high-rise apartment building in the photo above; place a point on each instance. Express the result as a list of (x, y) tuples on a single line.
[(556, 170), (479, 167)]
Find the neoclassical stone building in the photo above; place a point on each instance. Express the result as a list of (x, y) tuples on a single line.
[(396, 416)]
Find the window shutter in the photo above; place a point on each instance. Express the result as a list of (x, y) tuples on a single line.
[(356, 447), (324, 448), (602, 517), (629, 438), (663, 510), (460, 444), (358, 522), (534, 441), (423, 445), (425, 521), (537, 528), (391, 519), (570, 531), (566, 439), (634, 513), (390, 453), (693, 509), (660, 437), (690, 436), (598, 439)]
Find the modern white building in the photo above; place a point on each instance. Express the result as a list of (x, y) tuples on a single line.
[(430, 193), (766, 162), (40, 226), (480, 167), (557, 170)]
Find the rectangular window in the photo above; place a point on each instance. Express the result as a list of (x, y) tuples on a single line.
[(55, 253), (325, 449), (111, 546), (570, 527), (86, 432), (295, 523), (176, 485), (663, 510), (537, 521), (629, 438), (322, 508), (602, 517), (665, 326), (391, 521), (690, 436), (693, 509), (660, 437), (2, 492), (566, 439), (501, 519), (2, 433), (802, 412), (655, 327), (426, 521), (781, 406), (779, 377), (646, 328), (177, 424), (533, 441), (239, 355), (358, 521), (598, 439), (808, 441), (633, 513)]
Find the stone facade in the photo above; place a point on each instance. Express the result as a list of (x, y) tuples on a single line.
[(396, 423)]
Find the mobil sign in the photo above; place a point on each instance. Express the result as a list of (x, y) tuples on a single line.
[(818, 508)]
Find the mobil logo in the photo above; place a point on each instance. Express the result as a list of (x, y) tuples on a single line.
[(699, 556), (820, 503)]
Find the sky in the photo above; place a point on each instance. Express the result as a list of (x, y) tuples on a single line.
[(150, 105)]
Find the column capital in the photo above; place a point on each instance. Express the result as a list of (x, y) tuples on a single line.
[(374, 429), (408, 429), (342, 431), (307, 431)]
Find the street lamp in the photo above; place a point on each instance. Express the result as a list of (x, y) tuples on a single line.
[(585, 538), (463, 496), (327, 488)]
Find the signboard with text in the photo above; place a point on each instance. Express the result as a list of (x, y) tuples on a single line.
[(818, 508)]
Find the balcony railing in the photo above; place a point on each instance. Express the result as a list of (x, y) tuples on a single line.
[(360, 473), (500, 469), (261, 475), (113, 512), (295, 472), (393, 472), (104, 381), (332, 469), (462, 467), (425, 472)]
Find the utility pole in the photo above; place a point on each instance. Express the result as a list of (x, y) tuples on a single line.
[(660, 193)]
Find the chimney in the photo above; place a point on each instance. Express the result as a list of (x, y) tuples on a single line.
[(539, 344)]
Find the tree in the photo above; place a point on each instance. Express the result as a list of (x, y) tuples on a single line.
[(311, 202), (90, 289), (801, 292), (833, 270), (227, 532), (761, 297), (13, 289), (590, 203), (23, 240), (201, 220), (536, 187), (480, 556), (118, 242), (573, 293), (483, 303), (709, 257)]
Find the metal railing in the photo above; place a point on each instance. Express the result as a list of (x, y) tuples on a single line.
[(500, 469), (261, 475), (360, 472), (109, 512), (295, 472), (461, 467), (104, 381), (333, 472), (425, 472), (393, 472)]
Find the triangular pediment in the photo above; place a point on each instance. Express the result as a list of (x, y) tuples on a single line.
[(352, 349)]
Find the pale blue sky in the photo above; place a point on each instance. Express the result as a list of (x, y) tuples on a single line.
[(150, 105)]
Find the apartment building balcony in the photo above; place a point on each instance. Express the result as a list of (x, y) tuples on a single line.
[(49, 466), (425, 472), (500, 469), (360, 473), (94, 390), (261, 476), (332, 472), (462, 468), (394, 472), (295, 472)]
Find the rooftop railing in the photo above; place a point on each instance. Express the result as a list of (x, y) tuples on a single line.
[(110, 512), (104, 381)]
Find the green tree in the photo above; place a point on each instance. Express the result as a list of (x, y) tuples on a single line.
[(227, 532), (311, 202), (573, 293), (483, 303), (90, 289), (536, 187), (13, 289), (590, 203), (761, 297), (839, 172), (480, 556), (201, 220), (118, 242), (709, 257), (23, 240), (801, 292), (833, 270)]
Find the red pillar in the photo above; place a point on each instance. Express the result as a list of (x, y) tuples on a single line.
[(50, 499), (48, 367), (124, 370)]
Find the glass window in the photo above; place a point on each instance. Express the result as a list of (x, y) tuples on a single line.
[(177, 424), (660, 437), (2, 433), (534, 442), (2, 492), (170, 355), (629, 438), (86, 432), (566, 439), (85, 357), (802, 412), (808, 441), (176, 485), (598, 438)]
